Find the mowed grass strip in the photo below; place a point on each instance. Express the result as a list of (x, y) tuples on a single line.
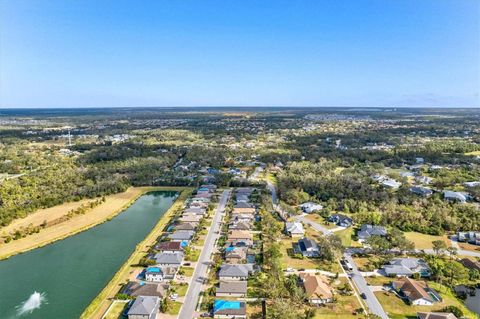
[(100, 304), (424, 241), (113, 205)]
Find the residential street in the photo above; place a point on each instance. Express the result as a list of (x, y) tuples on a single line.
[(372, 302), (191, 298), (314, 225)]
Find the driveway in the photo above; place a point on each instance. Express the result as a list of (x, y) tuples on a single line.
[(314, 225), (188, 309), (372, 302)]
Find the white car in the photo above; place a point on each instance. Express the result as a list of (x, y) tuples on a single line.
[(173, 296), (290, 270)]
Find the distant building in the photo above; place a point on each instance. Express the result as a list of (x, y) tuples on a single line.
[(232, 289), (341, 220), (470, 264), (370, 230), (310, 207), (435, 315), (423, 179), (421, 191), (391, 183), (469, 237), (455, 196)]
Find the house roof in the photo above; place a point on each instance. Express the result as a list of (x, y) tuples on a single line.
[(470, 263), (235, 270), (339, 218), (144, 305), (243, 205), (436, 315), (371, 230), (135, 289), (454, 195), (239, 234), (182, 235), (306, 243), (169, 245), (294, 228), (232, 287), (236, 252), (224, 307), (316, 287), (413, 289), (185, 226), (405, 266), (169, 258)]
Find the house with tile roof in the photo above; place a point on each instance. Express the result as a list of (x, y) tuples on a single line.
[(418, 293), (144, 307), (317, 289), (232, 289)]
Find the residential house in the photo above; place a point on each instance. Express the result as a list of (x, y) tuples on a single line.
[(159, 274), (307, 247), (187, 218), (135, 289), (435, 315), (240, 225), (242, 198), (234, 271), (242, 237), (370, 230), (182, 235), (232, 289), (310, 207), (170, 247), (235, 255), (341, 220), (472, 184), (423, 179), (186, 226), (407, 267), (317, 290), (195, 211), (245, 210), (244, 205), (470, 264), (144, 307), (469, 237), (169, 259), (294, 229), (223, 309), (416, 292), (390, 183), (455, 196), (421, 191)]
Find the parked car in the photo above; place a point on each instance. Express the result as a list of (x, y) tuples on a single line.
[(363, 295)]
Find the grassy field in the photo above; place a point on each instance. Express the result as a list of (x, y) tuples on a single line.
[(99, 305), (423, 241), (346, 237), (475, 153), (116, 311), (188, 271), (114, 205), (397, 308), (174, 309)]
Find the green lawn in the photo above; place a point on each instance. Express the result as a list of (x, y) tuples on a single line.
[(180, 289), (174, 308), (344, 307), (192, 255), (116, 310), (346, 237), (187, 271), (424, 241)]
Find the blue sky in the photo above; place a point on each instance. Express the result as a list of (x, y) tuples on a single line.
[(69, 53)]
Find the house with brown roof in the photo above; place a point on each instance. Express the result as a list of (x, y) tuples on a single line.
[(240, 225), (470, 264), (236, 255), (188, 218), (435, 315), (169, 247), (186, 226), (135, 289), (240, 237), (244, 210), (232, 289), (317, 290), (417, 293)]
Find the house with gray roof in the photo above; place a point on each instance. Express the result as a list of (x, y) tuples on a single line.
[(232, 289), (455, 196), (135, 289), (470, 237), (181, 235), (341, 220), (370, 230), (244, 205), (144, 307), (294, 229), (307, 247), (421, 191), (235, 271), (169, 259), (406, 267)]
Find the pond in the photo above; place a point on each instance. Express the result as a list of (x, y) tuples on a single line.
[(60, 279)]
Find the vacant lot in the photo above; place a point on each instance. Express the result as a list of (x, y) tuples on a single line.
[(344, 307), (113, 205), (423, 241)]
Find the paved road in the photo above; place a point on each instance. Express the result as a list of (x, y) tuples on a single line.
[(272, 190), (314, 225), (191, 298), (372, 302)]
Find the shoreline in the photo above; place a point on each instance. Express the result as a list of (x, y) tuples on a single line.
[(101, 302), (143, 191)]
